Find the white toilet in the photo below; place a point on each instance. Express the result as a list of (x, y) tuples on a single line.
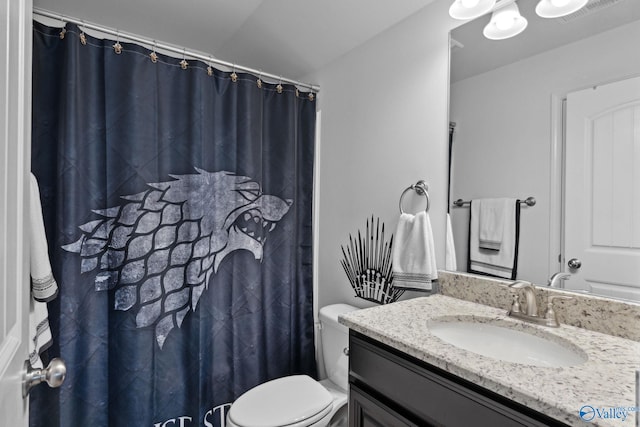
[(299, 400)]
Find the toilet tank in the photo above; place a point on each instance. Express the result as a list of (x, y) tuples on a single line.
[(335, 341)]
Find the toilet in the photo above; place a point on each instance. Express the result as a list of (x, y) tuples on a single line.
[(299, 400)]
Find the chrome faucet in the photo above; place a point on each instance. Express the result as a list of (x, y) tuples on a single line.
[(556, 278), (531, 305), (530, 313)]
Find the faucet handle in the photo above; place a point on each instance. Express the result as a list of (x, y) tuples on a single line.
[(550, 316), (515, 305)]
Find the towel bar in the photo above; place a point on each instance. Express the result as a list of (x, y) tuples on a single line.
[(420, 187), (529, 201)]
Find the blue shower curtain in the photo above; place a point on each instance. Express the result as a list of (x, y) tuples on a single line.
[(178, 208)]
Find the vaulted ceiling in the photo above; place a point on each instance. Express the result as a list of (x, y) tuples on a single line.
[(282, 37)]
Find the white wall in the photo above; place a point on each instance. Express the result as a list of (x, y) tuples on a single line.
[(503, 143), (384, 127)]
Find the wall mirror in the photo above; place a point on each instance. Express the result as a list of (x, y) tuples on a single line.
[(508, 102)]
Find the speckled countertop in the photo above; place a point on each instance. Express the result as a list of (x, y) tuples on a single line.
[(606, 380)]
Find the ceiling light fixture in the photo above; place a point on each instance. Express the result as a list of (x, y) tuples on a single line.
[(558, 8), (470, 9), (506, 20)]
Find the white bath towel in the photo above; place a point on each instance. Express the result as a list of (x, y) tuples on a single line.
[(450, 262), (43, 285), (492, 214), (500, 263), (414, 261)]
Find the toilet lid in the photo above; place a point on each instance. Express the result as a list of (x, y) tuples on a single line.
[(281, 402)]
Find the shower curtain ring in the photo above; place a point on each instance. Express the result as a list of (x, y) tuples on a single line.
[(117, 47), (210, 68), (279, 87), (234, 76), (83, 37), (184, 64), (64, 29), (259, 81), (153, 55)]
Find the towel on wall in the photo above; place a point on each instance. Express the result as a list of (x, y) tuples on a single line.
[(450, 262), (43, 286), (414, 260), (492, 215), (500, 261)]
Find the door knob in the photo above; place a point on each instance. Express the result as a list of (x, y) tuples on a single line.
[(574, 263), (53, 375)]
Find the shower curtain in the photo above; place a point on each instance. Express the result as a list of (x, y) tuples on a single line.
[(177, 204)]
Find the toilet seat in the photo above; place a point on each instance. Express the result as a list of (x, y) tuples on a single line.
[(293, 401)]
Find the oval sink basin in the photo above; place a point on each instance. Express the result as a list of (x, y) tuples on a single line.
[(503, 342)]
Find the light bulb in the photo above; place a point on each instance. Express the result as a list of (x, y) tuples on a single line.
[(469, 3), (559, 3)]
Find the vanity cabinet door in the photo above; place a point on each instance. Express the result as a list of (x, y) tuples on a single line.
[(367, 411), (426, 394)]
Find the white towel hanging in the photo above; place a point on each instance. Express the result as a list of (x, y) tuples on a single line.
[(499, 263), (492, 214), (450, 261), (43, 286), (414, 262)]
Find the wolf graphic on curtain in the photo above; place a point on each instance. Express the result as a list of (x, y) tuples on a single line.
[(161, 247), (177, 206)]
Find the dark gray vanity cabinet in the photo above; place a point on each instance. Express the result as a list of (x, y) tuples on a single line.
[(388, 388)]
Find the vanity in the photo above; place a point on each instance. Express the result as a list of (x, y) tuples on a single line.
[(390, 388), (405, 372)]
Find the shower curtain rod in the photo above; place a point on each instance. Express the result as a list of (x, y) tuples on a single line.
[(166, 47)]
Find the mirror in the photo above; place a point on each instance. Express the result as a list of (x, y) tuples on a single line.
[(506, 100)]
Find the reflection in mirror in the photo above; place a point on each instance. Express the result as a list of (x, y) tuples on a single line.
[(506, 100)]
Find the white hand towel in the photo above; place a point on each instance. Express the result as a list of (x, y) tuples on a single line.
[(414, 261), (492, 214), (450, 262), (43, 285), (502, 263)]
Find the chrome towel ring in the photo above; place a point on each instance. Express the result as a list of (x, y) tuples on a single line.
[(419, 187)]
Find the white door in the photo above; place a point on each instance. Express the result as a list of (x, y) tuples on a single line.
[(602, 189), (15, 124)]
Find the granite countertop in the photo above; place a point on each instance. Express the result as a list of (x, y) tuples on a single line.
[(606, 380)]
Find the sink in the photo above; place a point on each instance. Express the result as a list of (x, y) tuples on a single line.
[(507, 341)]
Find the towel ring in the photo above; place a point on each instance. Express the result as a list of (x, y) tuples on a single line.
[(419, 187)]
